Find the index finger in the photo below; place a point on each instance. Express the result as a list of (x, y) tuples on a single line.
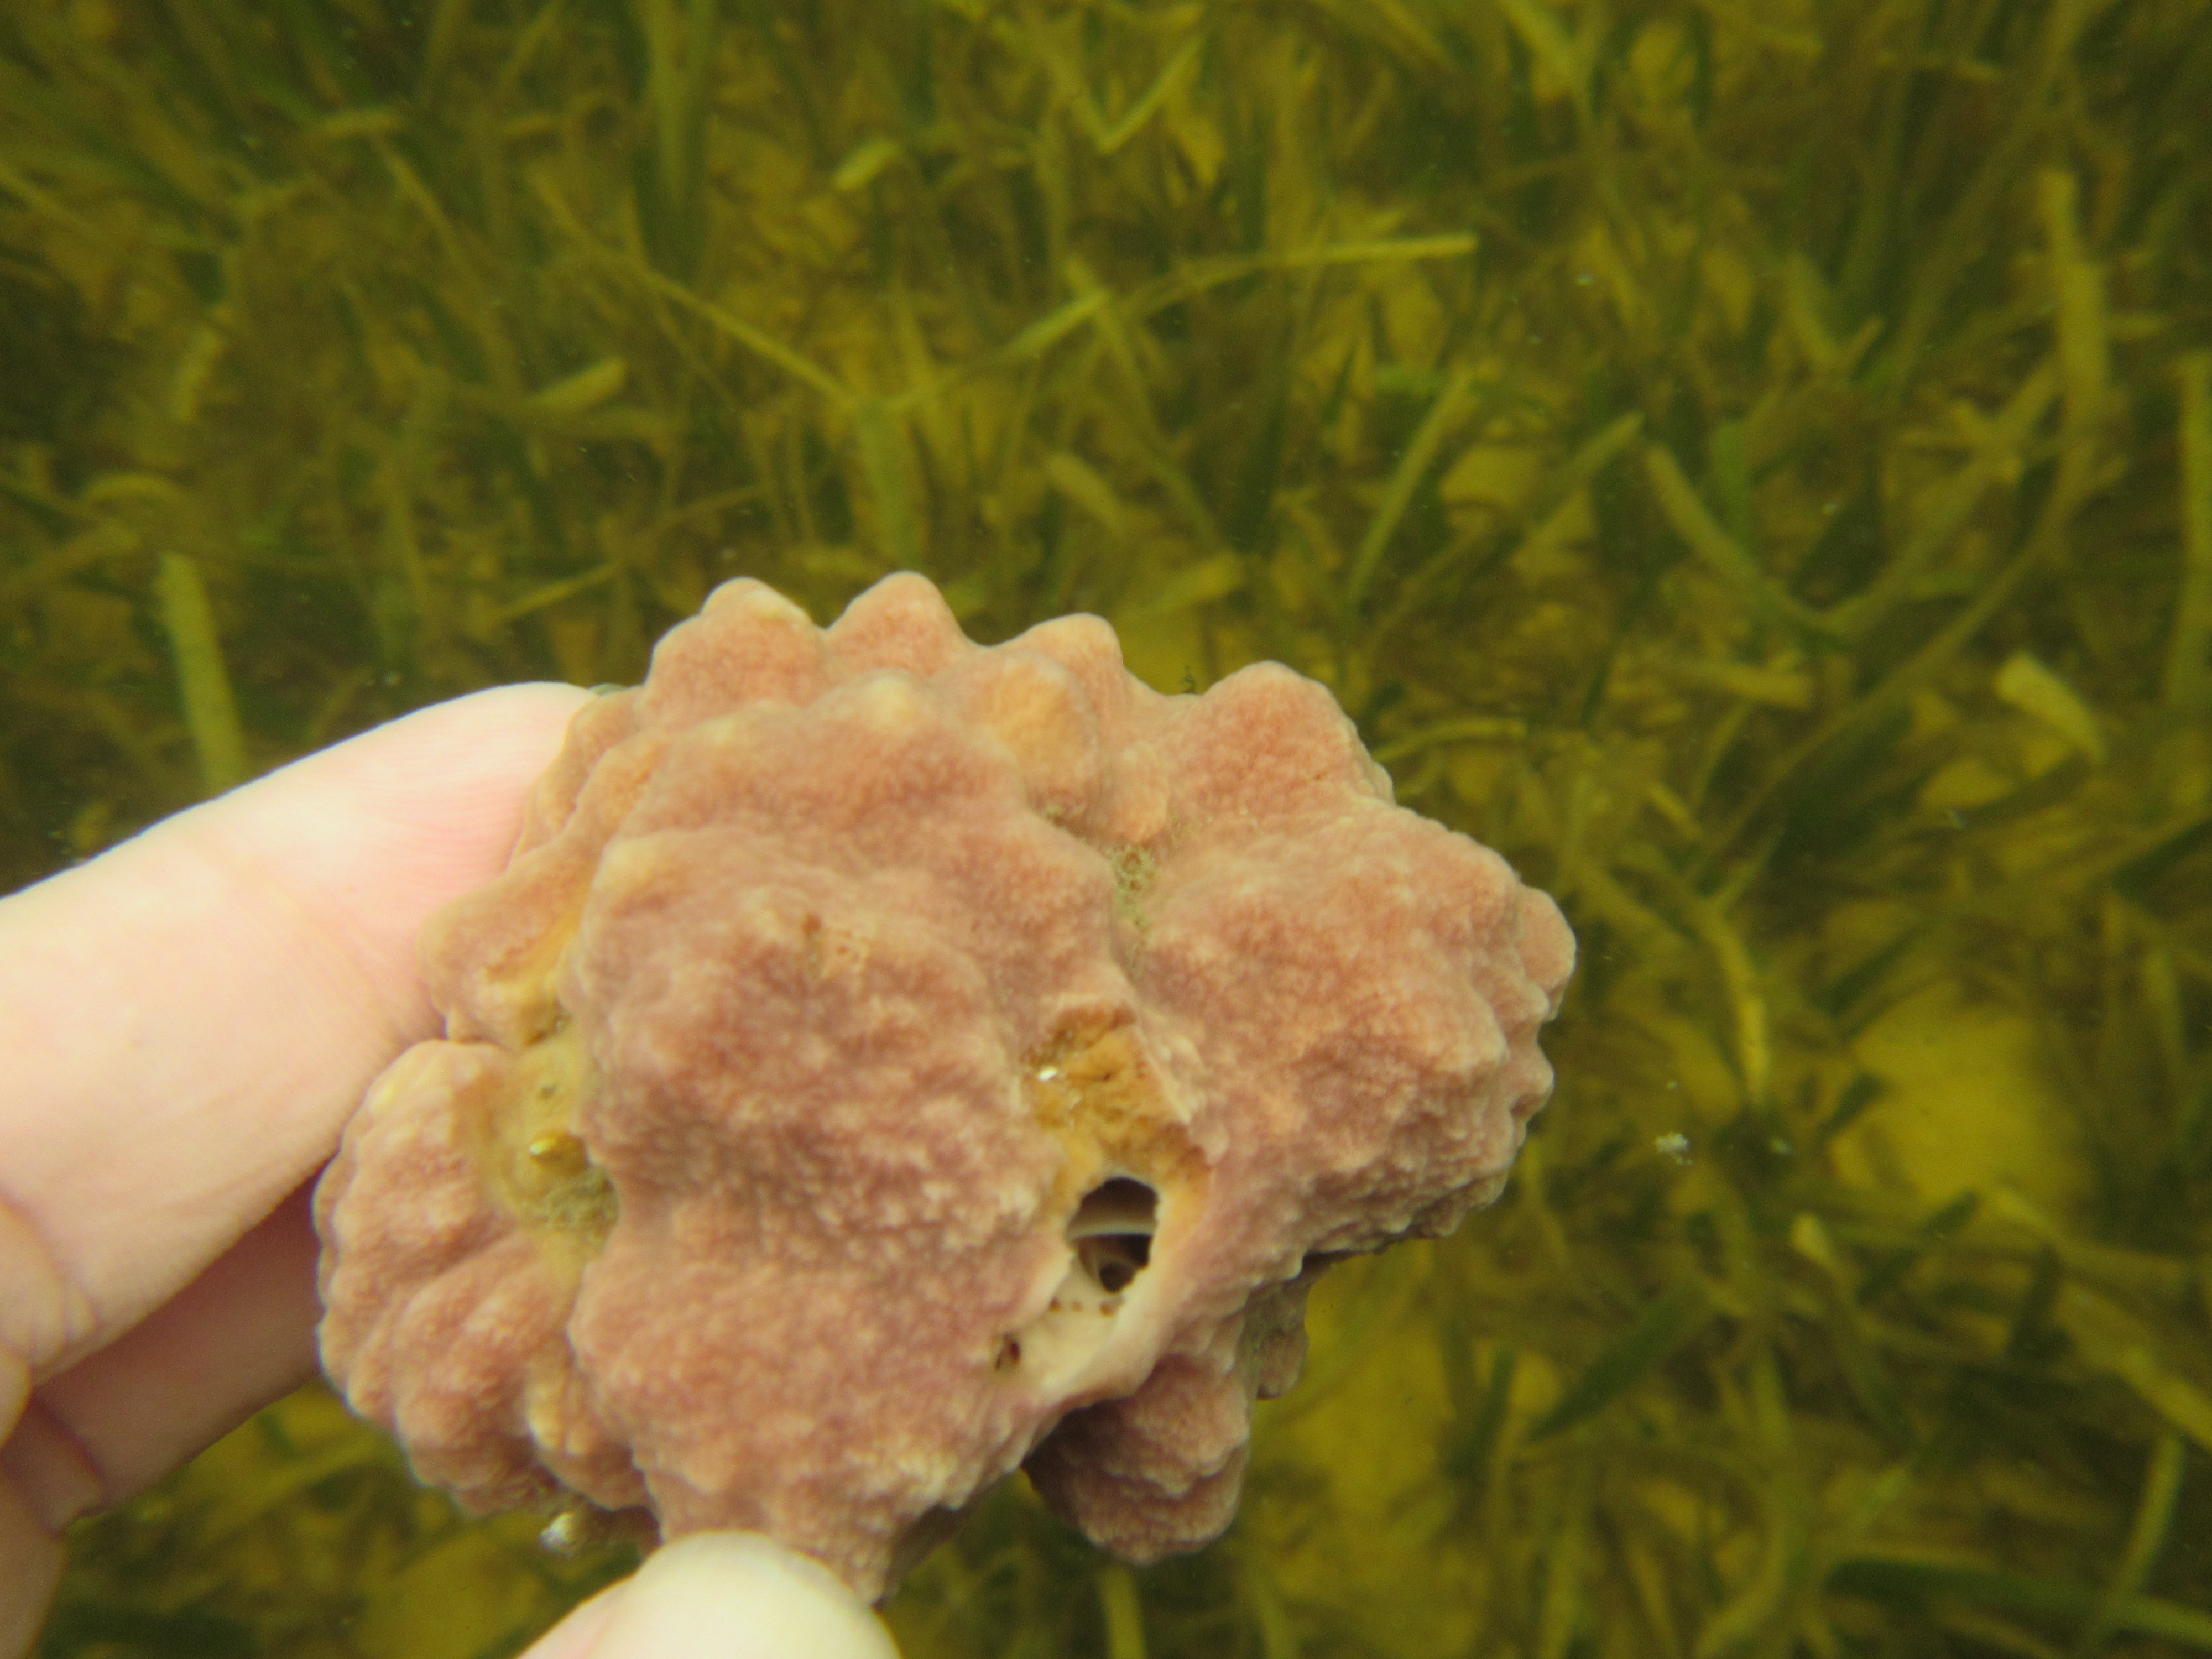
[(190, 1018)]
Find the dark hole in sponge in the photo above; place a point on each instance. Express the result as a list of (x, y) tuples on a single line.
[(1112, 1231)]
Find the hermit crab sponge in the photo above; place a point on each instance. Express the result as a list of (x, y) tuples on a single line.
[(886, 1060)]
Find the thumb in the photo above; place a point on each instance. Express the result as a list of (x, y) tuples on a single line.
[(722, 1595)]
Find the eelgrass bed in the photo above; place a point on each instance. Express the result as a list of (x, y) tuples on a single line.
[(1750, 463)]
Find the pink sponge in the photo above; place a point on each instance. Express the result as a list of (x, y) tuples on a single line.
[(886, 1060)]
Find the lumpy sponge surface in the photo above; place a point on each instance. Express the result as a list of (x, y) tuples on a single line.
[(888, 1061)]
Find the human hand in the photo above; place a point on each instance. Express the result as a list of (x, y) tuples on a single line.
[(187, 1021)]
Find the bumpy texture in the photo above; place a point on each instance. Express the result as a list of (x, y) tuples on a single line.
[(887, 1059)]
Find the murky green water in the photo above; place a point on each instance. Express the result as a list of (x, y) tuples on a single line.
[(1750, 463)]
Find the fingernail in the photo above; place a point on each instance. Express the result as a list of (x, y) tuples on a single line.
[(737, 1595)]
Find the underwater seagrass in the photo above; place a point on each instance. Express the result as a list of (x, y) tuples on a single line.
[(887, 1061)]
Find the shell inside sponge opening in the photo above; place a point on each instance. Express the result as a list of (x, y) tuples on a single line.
[(1112, 1232), (1110, 1238)]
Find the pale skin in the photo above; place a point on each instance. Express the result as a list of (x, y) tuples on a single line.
[(187, 1020)]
